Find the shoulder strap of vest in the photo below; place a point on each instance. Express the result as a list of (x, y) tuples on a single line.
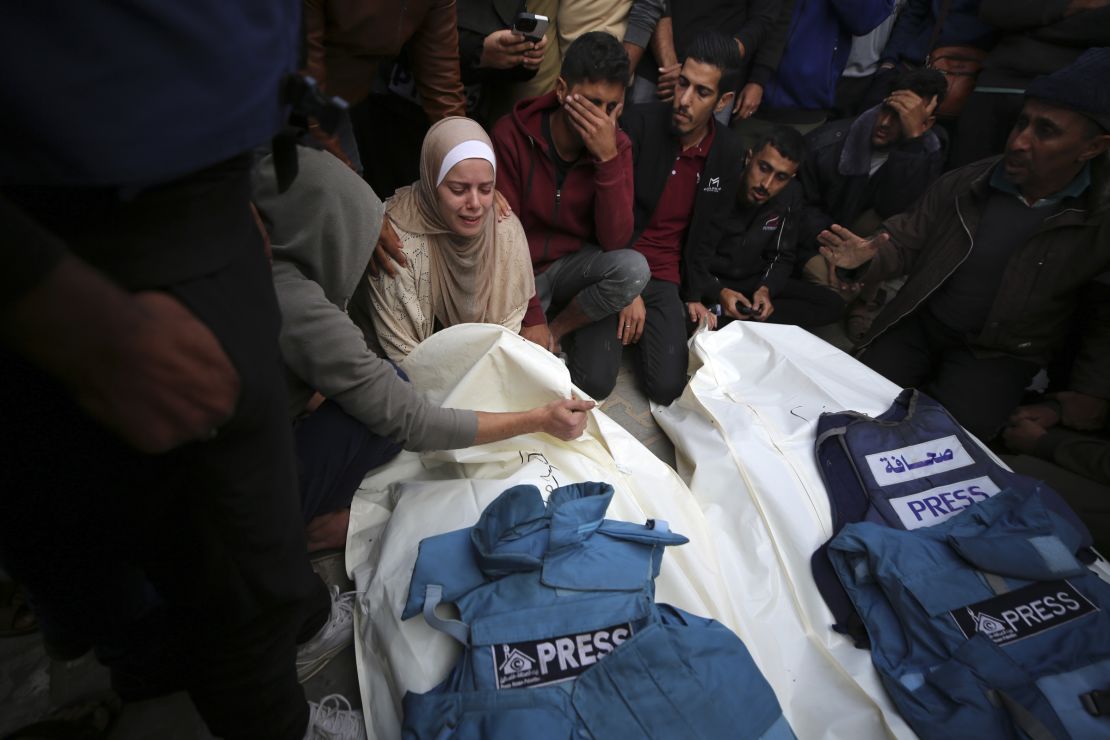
[(433, 595), (1032, 727)]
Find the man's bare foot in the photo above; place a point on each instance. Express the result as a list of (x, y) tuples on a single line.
[(328, 531), (569, 319)]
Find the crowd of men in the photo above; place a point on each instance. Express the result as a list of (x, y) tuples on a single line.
[(933, 177)]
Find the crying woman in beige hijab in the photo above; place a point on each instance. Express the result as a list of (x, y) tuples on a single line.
[(463, 265)]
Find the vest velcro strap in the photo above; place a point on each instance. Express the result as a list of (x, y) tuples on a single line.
[(1097, 703), (996, 582), (433, 595)]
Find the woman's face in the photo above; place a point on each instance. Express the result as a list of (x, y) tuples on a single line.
[(466, 196)]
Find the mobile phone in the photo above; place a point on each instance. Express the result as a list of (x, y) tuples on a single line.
[(745, 310), (530, 25)]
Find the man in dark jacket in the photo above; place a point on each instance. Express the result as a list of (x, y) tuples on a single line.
[(862, 171), (687, 168), (746, 266), (997, 255), (565, 168)]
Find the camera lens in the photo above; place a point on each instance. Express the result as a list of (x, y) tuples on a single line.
[(526, 24)]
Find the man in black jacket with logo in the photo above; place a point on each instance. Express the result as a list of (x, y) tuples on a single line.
[(686, 168), (746, 266)]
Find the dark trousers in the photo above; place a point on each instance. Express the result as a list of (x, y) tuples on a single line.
[(798, 302), (188, 569), (661, 353), (920, 352), (335, 451)]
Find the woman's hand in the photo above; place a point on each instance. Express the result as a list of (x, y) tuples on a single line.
[(566, 418)]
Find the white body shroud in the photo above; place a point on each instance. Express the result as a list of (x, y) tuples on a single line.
[(758, 512)]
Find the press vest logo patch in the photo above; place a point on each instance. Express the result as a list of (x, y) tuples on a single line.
[(931, 507), (543, 662), (714, 185), (1023, 613), (918, 461)]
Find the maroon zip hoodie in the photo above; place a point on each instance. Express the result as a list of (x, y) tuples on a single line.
[(594, 205)]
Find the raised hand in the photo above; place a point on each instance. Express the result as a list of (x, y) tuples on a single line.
[(913, 111), (843, 248), (598, 131)]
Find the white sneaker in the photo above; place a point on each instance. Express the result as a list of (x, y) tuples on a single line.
[(333, 719), (336, 634)]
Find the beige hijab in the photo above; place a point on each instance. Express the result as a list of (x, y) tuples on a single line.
[(464, 286)]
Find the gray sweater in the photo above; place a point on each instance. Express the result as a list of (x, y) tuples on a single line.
[(323, 230)]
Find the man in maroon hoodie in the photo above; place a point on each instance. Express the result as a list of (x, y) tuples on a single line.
[(566, 170)]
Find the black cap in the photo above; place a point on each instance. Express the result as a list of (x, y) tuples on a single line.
[(1083, 85)]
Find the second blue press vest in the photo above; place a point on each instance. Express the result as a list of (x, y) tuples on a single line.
[(984, 625), (911, 467)]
